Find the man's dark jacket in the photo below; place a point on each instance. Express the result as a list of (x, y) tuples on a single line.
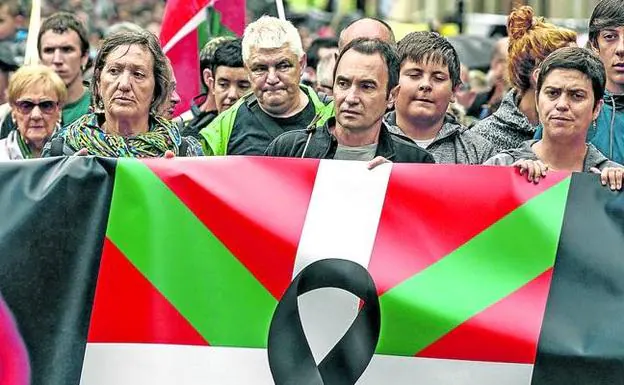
[(317, 142)]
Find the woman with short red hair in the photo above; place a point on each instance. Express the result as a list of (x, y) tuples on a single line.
[(531, 40)]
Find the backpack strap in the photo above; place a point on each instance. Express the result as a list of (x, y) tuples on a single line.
[(183, 148)]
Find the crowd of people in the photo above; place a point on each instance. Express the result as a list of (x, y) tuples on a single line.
[(549, 105)]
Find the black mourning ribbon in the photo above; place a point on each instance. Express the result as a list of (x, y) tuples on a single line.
[(290, 358)]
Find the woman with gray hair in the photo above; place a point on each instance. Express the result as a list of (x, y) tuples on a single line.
[(36, 97), (131, 84)]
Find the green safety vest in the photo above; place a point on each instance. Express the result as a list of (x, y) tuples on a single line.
[(216, 136)]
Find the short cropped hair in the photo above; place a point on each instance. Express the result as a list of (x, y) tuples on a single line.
[(606, 14), (579, 59), (62, 22), (386, 50), (228, 54), (271, 32), (422, 47), (147, 40), (318, 43), (206, 55), (30, 76)]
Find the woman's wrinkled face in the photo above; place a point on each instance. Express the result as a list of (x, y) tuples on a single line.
[(36, 112), (127, 83)]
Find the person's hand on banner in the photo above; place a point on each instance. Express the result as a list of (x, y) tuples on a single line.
[(534, 169), (376, 162), (611, 176), (82, 152), (169, 154)]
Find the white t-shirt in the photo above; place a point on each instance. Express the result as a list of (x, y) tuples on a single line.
[(424, 143)]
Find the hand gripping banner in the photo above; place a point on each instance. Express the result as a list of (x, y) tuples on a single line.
[(165, 271)]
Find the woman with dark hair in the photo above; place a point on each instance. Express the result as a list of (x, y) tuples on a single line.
[(570, 87), (131, 85)]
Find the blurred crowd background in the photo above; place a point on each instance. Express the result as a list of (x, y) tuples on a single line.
[(472, 26)]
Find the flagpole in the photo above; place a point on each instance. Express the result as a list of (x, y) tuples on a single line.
[(280, 9), (32, 53)]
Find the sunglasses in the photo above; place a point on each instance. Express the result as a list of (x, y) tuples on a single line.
[(26, 106)]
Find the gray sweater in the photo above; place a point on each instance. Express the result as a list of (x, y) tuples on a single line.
[(593, 158), (506, 128), (454, 143)]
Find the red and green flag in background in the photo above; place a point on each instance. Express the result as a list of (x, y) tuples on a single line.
[(188, 25)]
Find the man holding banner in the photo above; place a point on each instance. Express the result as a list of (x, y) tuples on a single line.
[(274, 58)]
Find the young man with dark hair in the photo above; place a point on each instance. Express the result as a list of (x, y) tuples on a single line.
[(606, 38), (203, 108), (365, 85), (320, 48), (429, 78), (606, 35), (230, 79), (11, 19), (63, 45)]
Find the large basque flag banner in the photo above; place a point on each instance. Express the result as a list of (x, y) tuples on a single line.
[(188, 25), (170, 271)]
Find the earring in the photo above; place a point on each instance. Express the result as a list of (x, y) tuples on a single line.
[(594, 124)]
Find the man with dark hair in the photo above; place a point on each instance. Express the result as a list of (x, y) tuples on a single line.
[(203, 107), (63, 45), (569, 94), (365, 85), (11, 19), (487, 102), (230, 80), (7, 66), (429, 79), (606, 34), (367, 27), (320, 48)]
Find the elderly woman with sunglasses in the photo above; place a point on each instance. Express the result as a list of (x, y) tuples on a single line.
[(36, 96)]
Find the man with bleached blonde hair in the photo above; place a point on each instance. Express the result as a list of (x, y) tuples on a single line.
[(274, 59)]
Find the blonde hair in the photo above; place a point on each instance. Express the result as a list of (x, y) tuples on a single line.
[(271, 32), (531, 40), (30, 75)]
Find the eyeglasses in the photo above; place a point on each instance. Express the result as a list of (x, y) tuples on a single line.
[(26, 106)]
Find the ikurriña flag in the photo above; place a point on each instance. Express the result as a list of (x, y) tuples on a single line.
[(482, 277), (188, 25)]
